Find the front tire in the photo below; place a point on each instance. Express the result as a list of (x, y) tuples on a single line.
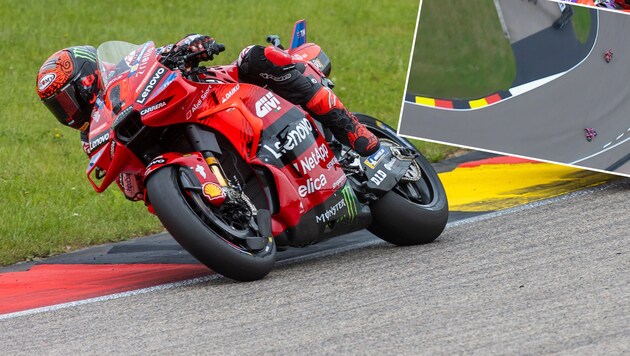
[(413, 212), (185, 221)]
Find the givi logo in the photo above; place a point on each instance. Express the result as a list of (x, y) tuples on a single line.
[(266, 104)]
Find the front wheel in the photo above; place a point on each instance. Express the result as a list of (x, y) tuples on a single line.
[(416, 210), (211, 237)]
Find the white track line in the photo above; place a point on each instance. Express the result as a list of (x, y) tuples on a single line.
[(600, 152), (303, 258)]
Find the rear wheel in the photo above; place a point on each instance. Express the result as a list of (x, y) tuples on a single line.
[(416, 210), (225, 240)]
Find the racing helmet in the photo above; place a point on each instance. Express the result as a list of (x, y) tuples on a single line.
[(67, 84)]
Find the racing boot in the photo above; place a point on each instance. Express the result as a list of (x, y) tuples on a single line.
[(326, 107)]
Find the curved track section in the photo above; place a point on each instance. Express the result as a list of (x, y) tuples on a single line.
[(548, 122)]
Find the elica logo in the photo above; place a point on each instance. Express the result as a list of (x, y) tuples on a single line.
[(99, 141), (294, 137), (152, 108), (312, 185), (155, 78), (319, 154), (229, 94), (266, 104), (328, 214), (46, 81)]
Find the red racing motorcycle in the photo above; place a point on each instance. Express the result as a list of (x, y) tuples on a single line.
[(234, 172)]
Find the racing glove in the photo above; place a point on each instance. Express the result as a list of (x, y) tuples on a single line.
[(196, 43), (193, 48)]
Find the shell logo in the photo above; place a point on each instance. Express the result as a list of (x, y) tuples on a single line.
[(213, 191)]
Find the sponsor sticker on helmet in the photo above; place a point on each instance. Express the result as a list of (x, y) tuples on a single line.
[(46, 80)]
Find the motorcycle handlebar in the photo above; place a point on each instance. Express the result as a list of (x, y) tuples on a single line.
[(273, 40), (213, 49)]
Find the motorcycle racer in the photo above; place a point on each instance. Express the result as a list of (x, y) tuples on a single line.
[(68, 83)]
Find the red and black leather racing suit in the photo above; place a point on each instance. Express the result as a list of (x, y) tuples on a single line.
[(272, 67)]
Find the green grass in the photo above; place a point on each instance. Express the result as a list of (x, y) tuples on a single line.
[(48, 206), (458, 55), (460, 51), (581, 23)]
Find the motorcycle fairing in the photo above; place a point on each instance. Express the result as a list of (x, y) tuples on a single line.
[(287, 138), (112, 159), (310, 52), (341, 213), (305, 170), (306, 174), (206, 181)]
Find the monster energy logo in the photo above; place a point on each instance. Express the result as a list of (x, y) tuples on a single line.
[(351, 204), (81, 53)]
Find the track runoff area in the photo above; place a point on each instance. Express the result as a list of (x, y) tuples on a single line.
[(478, 186)]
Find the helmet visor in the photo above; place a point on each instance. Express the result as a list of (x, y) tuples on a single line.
[(66, 109)]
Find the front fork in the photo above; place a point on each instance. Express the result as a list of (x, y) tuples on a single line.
[(206, 143)]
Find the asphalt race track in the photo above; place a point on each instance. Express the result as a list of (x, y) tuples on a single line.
[(548, 277), (548, 122)]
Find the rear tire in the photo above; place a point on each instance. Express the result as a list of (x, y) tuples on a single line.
[(414, 212), (177, 212)]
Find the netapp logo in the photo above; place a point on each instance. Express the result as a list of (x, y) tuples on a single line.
[(148, 89), (316, 156)]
